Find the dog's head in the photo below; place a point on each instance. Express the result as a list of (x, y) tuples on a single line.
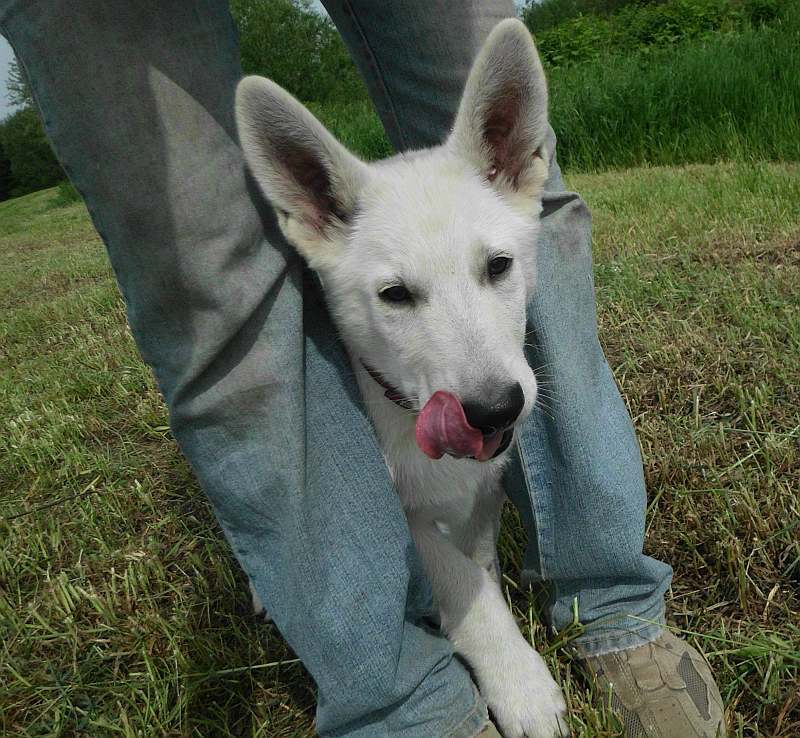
[(427, 258)]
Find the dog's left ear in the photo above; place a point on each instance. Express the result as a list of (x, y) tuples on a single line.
[(501, 124)]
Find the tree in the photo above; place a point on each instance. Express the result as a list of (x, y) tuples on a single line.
[(296, 47), (27, 162), (6, 182), (281, 39), (19, 91), (33, 164)]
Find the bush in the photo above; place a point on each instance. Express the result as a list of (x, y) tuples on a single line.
[(575, 41), (6, 181), (672, 22), (728, 96), (762, 11), (357, 126), (541, 16), (32, 162), (639, 27), (66, 194)]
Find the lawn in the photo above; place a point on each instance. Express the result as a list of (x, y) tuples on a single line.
[(122, 611)]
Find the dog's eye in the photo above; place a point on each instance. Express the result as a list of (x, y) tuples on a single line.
[(397, 293), (498, 265)]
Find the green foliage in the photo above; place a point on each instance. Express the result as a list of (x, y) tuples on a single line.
[(577, 40), (540, 16), (357, 126), (762, 11), (288, 42), (638, 27), (727, 96), (673, 22), (631, 82), (33, 164)]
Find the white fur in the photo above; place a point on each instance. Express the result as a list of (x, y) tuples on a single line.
[(432, 220)]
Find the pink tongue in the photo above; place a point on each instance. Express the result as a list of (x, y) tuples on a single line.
[(442, 428)]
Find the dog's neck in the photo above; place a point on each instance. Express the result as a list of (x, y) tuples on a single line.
[(392, 393)]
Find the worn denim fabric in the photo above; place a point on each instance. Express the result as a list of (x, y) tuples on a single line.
[(577, 478), (137, 99)]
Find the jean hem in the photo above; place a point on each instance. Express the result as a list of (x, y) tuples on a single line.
[(617, 638)]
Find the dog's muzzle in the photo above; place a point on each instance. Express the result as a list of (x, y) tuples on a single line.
[(442, 428)]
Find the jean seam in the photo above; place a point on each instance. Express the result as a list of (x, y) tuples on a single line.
[(537, 518), (616, 646), (376, 68)]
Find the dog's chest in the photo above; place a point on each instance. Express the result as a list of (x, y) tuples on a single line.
[(447, 487)]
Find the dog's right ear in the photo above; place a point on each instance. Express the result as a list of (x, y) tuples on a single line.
[(307, 175), (501, 125)]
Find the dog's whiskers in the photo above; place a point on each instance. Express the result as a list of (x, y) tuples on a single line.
[(545, 408)]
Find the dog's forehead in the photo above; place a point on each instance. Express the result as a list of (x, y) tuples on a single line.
[(433, 203)]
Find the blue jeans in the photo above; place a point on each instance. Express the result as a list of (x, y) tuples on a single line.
[(137, 99)]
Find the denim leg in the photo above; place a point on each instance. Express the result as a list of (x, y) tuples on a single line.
[(582, 482), (137, 99), (415, 56), (577, 475)]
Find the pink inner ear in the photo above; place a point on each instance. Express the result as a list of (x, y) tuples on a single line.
[(499, 134), (316, 200)]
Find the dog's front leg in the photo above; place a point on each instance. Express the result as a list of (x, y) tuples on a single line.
[(511, 676), (477, 537)]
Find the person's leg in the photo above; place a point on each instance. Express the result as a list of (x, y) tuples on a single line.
[(137, 99), (579, 485), (583, 478), (414, 56), (581, 471)]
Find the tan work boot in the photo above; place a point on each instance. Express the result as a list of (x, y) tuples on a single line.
[(663, 689)]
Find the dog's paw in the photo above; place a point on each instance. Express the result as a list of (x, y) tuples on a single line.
[(525, 699)]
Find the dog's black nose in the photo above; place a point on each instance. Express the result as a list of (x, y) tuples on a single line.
[(495, 410)]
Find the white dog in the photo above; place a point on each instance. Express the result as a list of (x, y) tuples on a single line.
[(427, 262)]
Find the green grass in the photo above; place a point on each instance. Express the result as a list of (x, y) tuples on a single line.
[(122, 611), (357, 126)]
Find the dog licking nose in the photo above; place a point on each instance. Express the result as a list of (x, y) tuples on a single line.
[(443, 428)]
